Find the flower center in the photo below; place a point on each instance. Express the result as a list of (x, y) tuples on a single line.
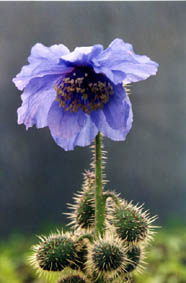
[(83, 89)]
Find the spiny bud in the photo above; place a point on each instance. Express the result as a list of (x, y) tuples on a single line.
[(73, 279), (107, 256), (83, 215), (54, 253), (131, 223)]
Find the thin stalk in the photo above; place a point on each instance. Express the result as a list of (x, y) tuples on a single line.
[(85, 236), (113, 196), (100, 203)]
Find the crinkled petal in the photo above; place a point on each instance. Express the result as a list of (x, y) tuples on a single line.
[(32, 71), (70, 129), (83, 55), (104, 126), (52, 53), (119, 56), (43, 61), (115, 76), (37, 98)]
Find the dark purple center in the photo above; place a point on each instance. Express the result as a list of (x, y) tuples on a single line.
[(84, 89)]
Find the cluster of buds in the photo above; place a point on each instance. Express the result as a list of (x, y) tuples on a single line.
[(81, 256)]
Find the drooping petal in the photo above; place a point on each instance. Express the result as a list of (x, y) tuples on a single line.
[(87, 133), (114, 110), (43, 61), (62, 123), (83, 138), (83, 55), (37, 98), (119, 134), (70, 129), (120, 57)]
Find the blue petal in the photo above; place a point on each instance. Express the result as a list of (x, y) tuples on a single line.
[(115, 109), (83, 55), (87, 133), (37, 98), (120, 57), (52, 53), (115, 76), (43, 61), (103, 125), (70, 129), (64, 123)]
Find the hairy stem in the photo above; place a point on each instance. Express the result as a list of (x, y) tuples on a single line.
[(100, 203)]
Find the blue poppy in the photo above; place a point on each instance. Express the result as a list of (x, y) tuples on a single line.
[(79, 93)]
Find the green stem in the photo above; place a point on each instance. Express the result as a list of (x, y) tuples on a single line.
[(100, 203)]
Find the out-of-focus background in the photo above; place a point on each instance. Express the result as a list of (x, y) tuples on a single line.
[(37, 178)]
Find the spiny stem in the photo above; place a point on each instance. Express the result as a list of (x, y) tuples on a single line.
[(100, 203)]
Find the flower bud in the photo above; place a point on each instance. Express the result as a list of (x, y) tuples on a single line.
[(83, 215), (107, 256), (131, 223), (54, 253)]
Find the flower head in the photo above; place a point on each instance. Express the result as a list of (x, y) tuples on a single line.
[(79, 93)]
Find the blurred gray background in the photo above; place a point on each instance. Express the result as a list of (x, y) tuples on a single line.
[(37, 178)]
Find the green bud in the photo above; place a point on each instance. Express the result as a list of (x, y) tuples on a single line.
[(54, 253), (107, 256), (83, 215), (131, 223)]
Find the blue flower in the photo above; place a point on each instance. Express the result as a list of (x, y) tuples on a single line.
[(77, 94)]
